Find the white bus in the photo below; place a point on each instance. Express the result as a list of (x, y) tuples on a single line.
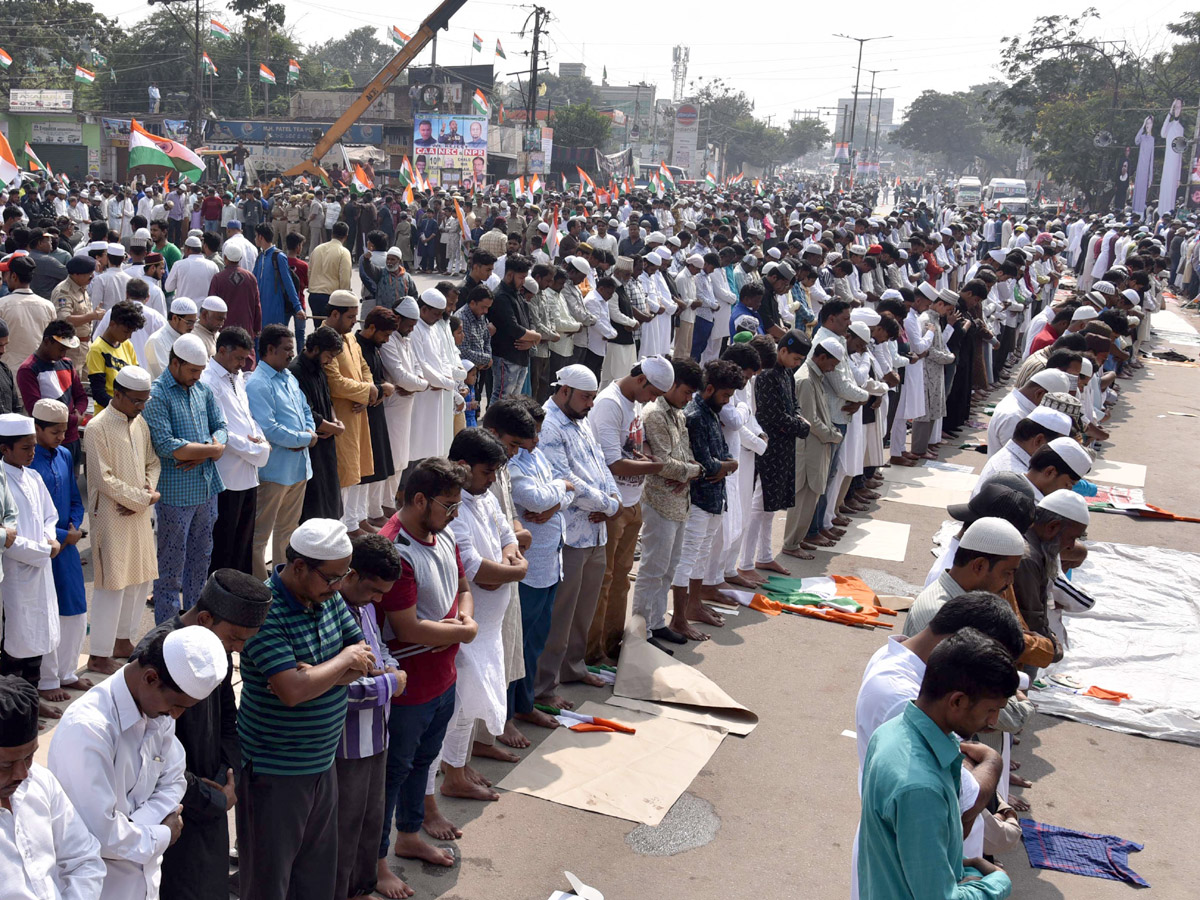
[(1007, 195), (968, 192)]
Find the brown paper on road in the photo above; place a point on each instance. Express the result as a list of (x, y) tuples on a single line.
[(637, 777), (669, 687)]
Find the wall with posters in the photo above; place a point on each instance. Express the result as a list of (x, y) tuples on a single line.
[(452, 149)]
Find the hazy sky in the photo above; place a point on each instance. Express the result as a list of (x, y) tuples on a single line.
[(783, 55)]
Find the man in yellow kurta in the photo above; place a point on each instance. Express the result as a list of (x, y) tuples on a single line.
[(351, 388), (122, 490)]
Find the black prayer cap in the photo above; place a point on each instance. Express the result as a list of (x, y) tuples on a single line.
[(18, 711), (236, 597)]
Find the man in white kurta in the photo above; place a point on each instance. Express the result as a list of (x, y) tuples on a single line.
[(431, 416), (404, 371), (912, 393), (116, 755)]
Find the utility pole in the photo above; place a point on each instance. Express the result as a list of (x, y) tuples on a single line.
[(870, 103), (197, 91), (858, 74), (540, 16)]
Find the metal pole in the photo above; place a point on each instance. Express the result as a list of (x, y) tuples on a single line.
[(857, 73), (870, 103), (197, 87)]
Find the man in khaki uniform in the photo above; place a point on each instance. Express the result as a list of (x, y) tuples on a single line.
[(72, 303), (279, 212)]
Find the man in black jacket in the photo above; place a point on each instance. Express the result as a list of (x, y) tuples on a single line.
[(513, 338)]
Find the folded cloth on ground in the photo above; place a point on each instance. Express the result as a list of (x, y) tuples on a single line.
[(1106, 694), (1079, 852)]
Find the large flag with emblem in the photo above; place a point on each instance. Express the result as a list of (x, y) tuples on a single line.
[(476, 43), (146, 149)]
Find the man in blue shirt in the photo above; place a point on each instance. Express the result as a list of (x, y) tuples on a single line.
[(282, 412), (750, 298), (187, 429), (911, 827), (276, 290)]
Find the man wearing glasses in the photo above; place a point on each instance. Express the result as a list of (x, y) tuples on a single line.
[(294, 702)]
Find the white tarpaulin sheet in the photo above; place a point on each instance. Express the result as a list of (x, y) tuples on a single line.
[(1141, 638)]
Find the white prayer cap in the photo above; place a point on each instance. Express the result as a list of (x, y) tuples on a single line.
[(195, 660), (1084, 314), (812, 248), (93, 246), (233, 252), (1052, 419), (344, 299), (140, 238), (663, 254), (890, 294), (674, 241), (1072, 453), (1086, 369), (861, 329), (213, 303), (746, 322), (696, 259), (395, 251), (649, 259), (659, 372), (182, 306), (1104, 287), (134, 378), (1131, 295), (930, 292), (579, 264), (947, 232), (433, 297), (833, 347), (948, 296), (769, 268), (543, 227), (613, 223), (858, 250), (46, 410), (467, 364), (577, 376), (994, 536), (656, 237), (998, 255), (866, 315), (190, 349), (750, 260), (116, 250), (531, 284), (408, 308), (1067, 504), (194, 242), (15, 425), (774, 253), (1054, 381), (322, 539), (903, 255)]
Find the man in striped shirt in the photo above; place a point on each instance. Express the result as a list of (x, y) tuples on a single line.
[(362, 751), (295, 673)]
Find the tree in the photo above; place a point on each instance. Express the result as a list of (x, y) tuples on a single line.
[(804, 136), (354, 59), (42, 36), (580, 126), (568, 90)]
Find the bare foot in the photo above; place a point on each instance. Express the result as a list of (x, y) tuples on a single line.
[(1020, 804), (55, 695), (772, 566), (741, 581), (1018, 781), (122, 648), (539, 718), (840, 522), (459, 784), (752, 576), (46, 711), (593, 680), (80, 684), (389, 884), (798, 553), (698, 612), (105, 665), (557, 702), (475, 775), (491, 751), (436, 825), (410, 846), (820, 541), (683, 628), (512, 737)]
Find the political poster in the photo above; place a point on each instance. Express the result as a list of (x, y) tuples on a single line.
[(455, 145)]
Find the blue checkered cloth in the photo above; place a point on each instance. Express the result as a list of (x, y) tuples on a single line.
[(1079, 852)]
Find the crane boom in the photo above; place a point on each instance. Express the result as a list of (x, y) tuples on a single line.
[(439, 18)]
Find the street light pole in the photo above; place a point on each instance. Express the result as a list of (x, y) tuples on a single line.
[(858, 74)]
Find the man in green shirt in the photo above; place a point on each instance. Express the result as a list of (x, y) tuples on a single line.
[(911, 835), (294, 700)]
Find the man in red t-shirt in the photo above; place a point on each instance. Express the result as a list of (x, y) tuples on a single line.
[(295, 246), (427, 614), (1054, 329), (210, 211)]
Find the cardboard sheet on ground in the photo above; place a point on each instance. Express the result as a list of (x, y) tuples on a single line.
[(934, 496), (1139, 638), (651, 681), (637, 777), (874, 539), (934, 476), (1105, 471)]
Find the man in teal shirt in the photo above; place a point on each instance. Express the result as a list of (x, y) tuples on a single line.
[(910, 845)]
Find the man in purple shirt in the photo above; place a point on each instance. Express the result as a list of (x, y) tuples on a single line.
[(362, 751)]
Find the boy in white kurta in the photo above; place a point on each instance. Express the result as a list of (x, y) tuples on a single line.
[(30, 602)]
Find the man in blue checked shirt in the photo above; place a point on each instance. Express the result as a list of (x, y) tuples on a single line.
[(187, 429), (575, 455)]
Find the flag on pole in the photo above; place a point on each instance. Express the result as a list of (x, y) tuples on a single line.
[(210, 67), (710, 181), (656, 183), (737, 179), (166, 185), (9, 172), (517, 187), (216, 29), (462, 222), (565, 186), (535, 185), (399, 38), (476, 43), (360, 183), (99, 59), (500, 115), (407, 171), (62, 63), (500, 50), (31, 160), (146, 149), (665, 178), (552, 237), (293, 71), (225, 168), (265, 75), (83, 76), (480, 104), (585, 179), (758, 188), (5, 59)]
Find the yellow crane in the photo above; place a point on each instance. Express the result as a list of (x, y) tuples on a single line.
[(439, 18)]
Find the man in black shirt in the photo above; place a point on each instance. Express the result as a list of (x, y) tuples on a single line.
[(513, 338)]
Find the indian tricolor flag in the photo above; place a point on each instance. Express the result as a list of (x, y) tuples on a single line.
[(584, 178), (31, 159), (480, 103), (293, 70), (217, 29), (5, 59), (9, 172), (517, 187), (360, 183), (265, 75), (462, 222), (146, 149), (210, 67), (476, 43), (552, 237), (399, 38), (535, 185), (84, 76), (225, 168), (737, 179), (710, 181), (500, 50), (665, 177)]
